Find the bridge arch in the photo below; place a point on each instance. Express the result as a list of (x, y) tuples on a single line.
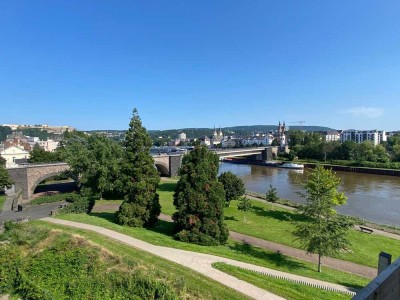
[(162, 168), (35, 183)]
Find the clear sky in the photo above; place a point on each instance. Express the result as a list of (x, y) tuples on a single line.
[(88, 63)]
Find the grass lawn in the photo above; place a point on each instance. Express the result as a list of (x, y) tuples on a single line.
[(283, 288), (272, 223), (161, 235), (2, 200), (197, 286)]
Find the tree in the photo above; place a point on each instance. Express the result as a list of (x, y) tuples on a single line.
[(233, 186), (5, 179), (141, 205), (323, 232), (245, 206), (4, 131), (39, 155), (95, 161), (272, 195), (199, 199)]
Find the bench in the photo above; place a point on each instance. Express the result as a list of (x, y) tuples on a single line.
[(53, 212), (366, 230)]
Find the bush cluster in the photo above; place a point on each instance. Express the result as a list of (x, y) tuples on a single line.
[(69, 197)]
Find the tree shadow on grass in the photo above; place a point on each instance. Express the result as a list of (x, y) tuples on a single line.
[(109, 216), (166, 186), (277, 258), (163, 227), (278, 215), (230, 218)]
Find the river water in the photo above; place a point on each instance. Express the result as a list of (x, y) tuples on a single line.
[(370, 197)]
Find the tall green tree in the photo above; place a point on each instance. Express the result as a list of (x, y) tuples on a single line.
[(141, 205), (95, 161), (324, 232), (199, 200), (5, 179), (233, 186)]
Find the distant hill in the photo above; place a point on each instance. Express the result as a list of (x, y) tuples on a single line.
[(235, 130), (201, 132)]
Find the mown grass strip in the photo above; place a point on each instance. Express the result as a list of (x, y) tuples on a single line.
[(280, 287), (2, 200)]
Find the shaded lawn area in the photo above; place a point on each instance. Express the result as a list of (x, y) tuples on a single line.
[(281, 287), (195, 284), (272, 223), (2, 200), (162, 235)]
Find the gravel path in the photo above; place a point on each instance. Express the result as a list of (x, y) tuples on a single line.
[(202, 263)]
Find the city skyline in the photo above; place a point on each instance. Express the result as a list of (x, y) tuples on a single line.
[(182, 65)]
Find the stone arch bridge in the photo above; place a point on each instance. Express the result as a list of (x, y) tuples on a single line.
[(27, 177)]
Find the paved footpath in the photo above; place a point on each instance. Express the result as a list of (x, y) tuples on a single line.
[(202, 263)]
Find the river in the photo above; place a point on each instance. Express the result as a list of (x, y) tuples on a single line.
[(371, 197)]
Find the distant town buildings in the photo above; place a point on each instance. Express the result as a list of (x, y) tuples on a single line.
[(182, 136), (49, 128), (14, 156), (330, 135), (359, 136)]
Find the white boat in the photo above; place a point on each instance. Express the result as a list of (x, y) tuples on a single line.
[(291, 166)]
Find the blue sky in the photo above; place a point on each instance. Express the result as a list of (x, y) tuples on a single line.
[(200, 63)]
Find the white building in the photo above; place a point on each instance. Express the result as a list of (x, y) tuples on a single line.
[(14, 155), (48, 145), (264, 140), (229, 143), (330, 135), (359, 136), (182, 136)]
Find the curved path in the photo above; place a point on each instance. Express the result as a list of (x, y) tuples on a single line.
[(202, 263)]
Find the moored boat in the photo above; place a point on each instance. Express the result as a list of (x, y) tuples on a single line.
[(291, 166)]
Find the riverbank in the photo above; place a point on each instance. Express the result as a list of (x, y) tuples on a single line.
[(385, 230), (365, 170), (311, 165)]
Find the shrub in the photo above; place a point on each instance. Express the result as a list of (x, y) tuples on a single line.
[(69, 197), (272, 195), (233, 186)]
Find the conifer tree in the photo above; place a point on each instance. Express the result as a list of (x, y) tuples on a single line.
[(199, 200), (141, 205)]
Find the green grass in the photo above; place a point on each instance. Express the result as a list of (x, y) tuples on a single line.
[(161, 235), (190, 285), (276, 224), (166, 191), (2, 200), (280, 287)]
